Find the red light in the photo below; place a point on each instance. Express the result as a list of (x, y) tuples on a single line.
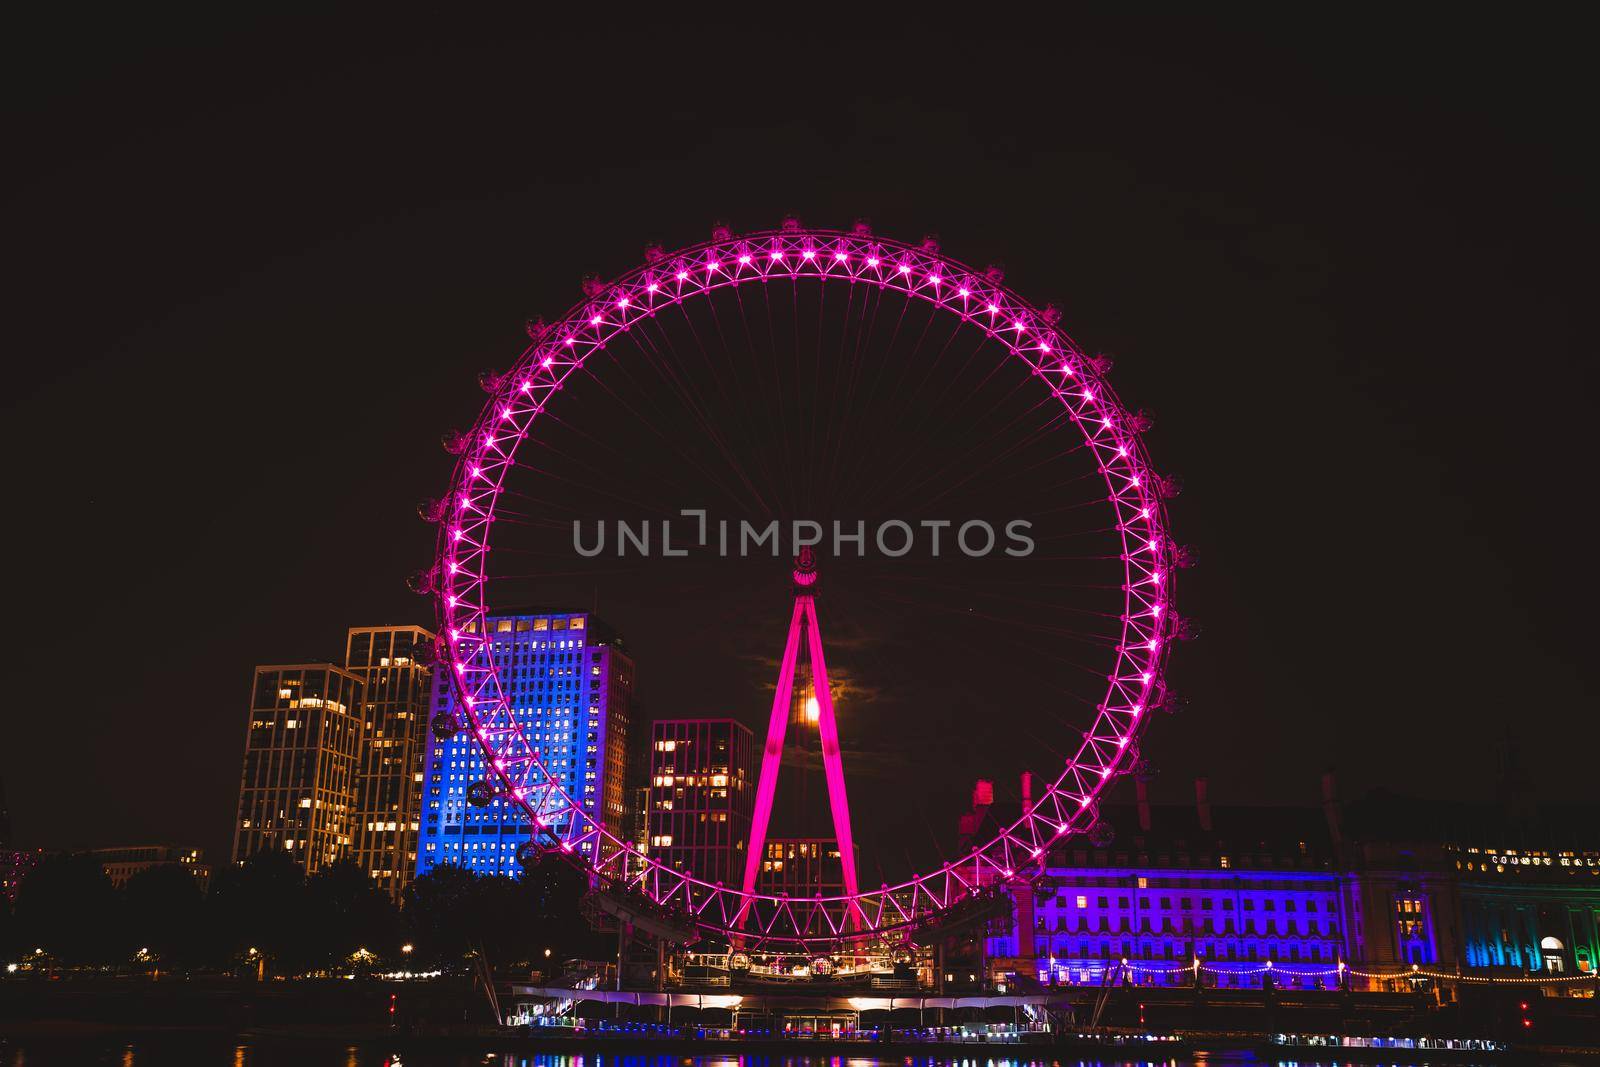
[(1528, 1023)]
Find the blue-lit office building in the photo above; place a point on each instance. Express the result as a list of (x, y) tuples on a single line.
[(571, 688)]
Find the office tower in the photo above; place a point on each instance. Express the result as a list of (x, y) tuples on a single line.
[(801, 867), (297, 792), (571, 689), (700, 796), (395, 666)]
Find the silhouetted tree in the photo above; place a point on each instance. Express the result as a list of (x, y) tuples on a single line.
[(548, 899), (67, 906), (161, 908), (437, 910), (450, 912), (260, 905), (344, 912)]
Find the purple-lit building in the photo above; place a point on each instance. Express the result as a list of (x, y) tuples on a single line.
[(1301, 897), (701, 792), (1242, 891)]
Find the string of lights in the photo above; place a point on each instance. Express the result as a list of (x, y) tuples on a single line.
[(1269, 967)]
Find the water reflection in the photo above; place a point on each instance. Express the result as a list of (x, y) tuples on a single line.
[(196, 1052)]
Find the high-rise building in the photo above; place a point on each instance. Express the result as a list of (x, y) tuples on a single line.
[(801, 867), (700, 796), (124, 861), (571, 688), (302, 750), (395, 665)]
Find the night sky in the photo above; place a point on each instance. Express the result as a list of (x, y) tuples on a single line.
[(257, 266)]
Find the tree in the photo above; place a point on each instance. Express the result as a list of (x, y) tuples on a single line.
[(344, 912), (160, 906), (259, 905), (450, 912), (68, 907), (437, 914)]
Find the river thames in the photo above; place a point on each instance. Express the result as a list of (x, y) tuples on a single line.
[(204, 1052)]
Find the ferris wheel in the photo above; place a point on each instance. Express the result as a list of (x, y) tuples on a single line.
[(1061, 379)]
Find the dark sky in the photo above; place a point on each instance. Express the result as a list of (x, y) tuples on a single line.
[(258, 264)]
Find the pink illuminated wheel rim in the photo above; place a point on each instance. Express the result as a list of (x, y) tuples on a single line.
[(1110, 433)]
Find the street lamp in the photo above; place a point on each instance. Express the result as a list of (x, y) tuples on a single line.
[(406, 948)]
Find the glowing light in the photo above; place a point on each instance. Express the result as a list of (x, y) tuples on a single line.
[(1118, 722)]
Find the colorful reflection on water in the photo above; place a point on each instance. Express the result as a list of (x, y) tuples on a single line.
[(201, 1052)]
